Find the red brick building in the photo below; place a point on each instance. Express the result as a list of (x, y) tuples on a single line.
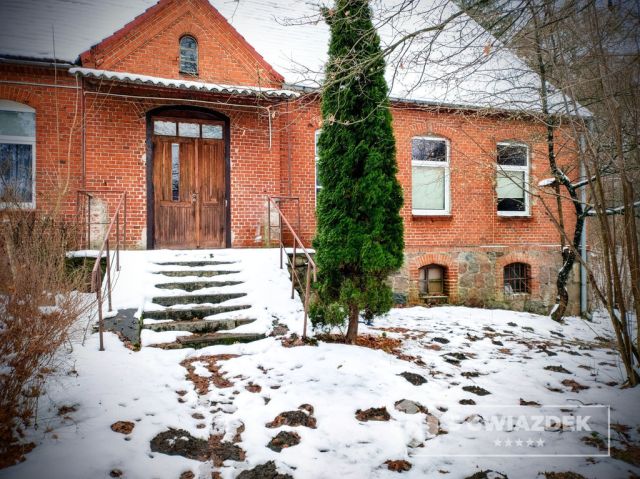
[(180, 111)]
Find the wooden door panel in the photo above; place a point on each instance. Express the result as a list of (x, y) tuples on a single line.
[(175, 214), (212, 193)]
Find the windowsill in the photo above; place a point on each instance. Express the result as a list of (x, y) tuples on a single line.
[(430, 214), (506, 215), (187, 74), (17, 206)]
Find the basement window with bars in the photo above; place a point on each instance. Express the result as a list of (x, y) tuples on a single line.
[(512, 179), (430, 176), (517, 278), (188, 55), (431, 282), (17, 154)]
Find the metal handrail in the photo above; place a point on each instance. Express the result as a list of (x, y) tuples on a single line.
[(96, 272), (296, 242)]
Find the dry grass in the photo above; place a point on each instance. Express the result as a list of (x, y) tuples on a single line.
[(39, 304)]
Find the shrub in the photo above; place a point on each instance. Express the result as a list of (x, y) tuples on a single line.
[(39, 304)]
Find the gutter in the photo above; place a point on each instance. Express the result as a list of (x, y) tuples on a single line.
[(48, 63)]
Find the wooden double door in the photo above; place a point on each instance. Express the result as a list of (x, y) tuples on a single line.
[(190, 193)]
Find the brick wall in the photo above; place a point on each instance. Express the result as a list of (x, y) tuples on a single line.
[(272, 152)]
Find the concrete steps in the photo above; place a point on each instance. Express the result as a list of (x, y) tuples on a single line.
[(205, 273), (210, 339), (199, 326), (213, 298), (190, 318), (192, 286), (189, 314)]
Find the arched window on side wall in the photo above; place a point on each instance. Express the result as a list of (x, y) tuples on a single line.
[(17, 154), (432, 280), (188, 55), (517, 278)]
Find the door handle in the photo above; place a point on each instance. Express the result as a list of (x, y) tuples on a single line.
[(194, 197)]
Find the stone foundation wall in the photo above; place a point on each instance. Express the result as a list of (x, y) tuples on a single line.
[(474, 277)]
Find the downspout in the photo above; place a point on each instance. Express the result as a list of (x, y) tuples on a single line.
[(84, 138), (584, 306), (288, 151)]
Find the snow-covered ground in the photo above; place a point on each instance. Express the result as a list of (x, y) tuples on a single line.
[(504, 353)]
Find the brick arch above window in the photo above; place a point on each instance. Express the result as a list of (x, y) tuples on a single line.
[(437, 259), (534, 268)]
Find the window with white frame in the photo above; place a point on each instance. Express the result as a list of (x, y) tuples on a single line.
[(430, 176), (17, 154), (512, 179), (317, 162)]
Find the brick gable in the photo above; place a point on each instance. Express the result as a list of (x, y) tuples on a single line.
[(148, 45)]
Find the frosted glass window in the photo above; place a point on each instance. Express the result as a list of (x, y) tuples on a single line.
[(212, 131), (430, 176), (428, 188), (189, 130), (166, 128), (17, 123)]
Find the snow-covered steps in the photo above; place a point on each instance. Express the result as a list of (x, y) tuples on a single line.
[(202, 292), (192, 286), (204, 273), (199, 326), (210, 339), (189, 314), (213, 298), (191, 264)]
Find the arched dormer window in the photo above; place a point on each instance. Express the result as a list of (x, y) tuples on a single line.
[(517, 278), (188, 55), (17, 154)]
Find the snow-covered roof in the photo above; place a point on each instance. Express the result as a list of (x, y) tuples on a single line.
[(460, 65), (182, 84)]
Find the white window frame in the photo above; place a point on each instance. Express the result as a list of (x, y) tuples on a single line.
[(431, 164), (8, 105), (507, 168), (316, 165)]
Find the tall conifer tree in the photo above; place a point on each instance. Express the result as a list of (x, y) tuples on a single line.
[(359, 239)]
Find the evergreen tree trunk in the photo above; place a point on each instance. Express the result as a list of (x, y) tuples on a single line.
[(352, 330)]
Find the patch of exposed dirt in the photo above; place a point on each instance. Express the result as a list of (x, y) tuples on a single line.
[(398, 465), (488, 474), (283, 440), (477, 390), (413, 378), (302, 417), (574, 385), (178, 442), (201, 383), (123, 427), (557, 369), (373, 414), (253, 388), (263, 471), (563, 475)]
